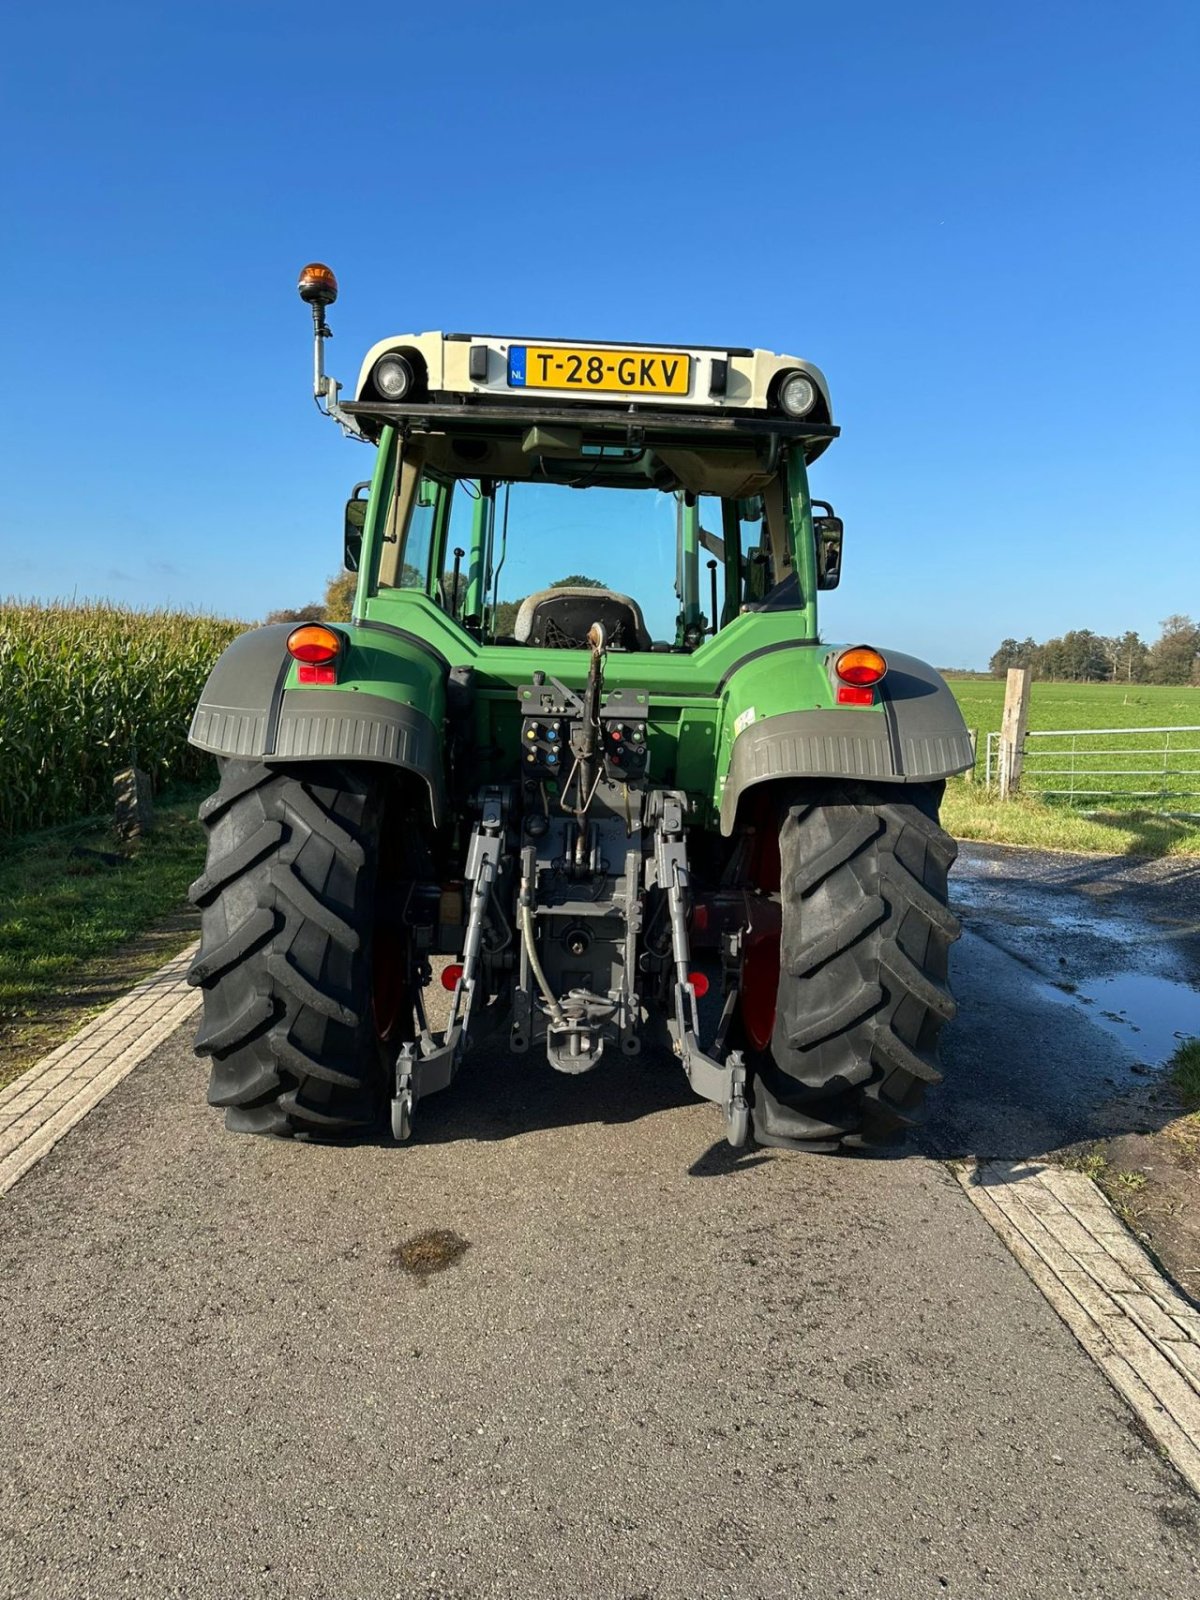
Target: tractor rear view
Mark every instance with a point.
(582, 738)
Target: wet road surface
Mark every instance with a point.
(639, 1364)
(1075, 979)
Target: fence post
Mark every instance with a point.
(973, 735)
(1012, 730)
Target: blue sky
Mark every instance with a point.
(980, 219)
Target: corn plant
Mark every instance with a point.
(87, 688)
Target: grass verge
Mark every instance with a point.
(1185, 1072)
(1150, 1177)
(970, 811)
(83, 917)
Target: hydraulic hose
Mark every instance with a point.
(525, 913)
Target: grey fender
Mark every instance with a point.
(246, 712)
(918, 737)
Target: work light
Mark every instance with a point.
(797, 394)
(392, 377)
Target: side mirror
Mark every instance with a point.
(356, 517)
(828, 532)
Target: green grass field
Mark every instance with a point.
(1119, 823)
(1132, 765)
(1080, 705)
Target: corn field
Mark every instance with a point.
(86, 688)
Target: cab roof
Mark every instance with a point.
(496, 385)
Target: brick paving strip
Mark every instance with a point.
(1140, 1331)
(46, 1102)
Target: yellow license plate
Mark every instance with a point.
(538, 366)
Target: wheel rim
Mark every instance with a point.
(760, 985)
(760, 954)
(390, 998)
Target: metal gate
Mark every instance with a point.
(1114, 765)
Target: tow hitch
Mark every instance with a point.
(722, 1083)
(426, 1064)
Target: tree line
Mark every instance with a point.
(1082, 656)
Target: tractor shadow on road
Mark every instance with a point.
(499, 1095)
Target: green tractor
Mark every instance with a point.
(582, 737)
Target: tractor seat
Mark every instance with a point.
(560, 619)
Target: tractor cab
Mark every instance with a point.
(665, 548)
(693, 458)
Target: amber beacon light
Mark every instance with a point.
(317, 285)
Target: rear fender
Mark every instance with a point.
(915, 735)
(388, 706)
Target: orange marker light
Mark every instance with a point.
(860, 665)
(317, 285)
(315, 643)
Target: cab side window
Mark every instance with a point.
(418, 541)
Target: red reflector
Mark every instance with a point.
(451, 975)
(311, 674)
(700, 918)
(699, 983)
(848, 695)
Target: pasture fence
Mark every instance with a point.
(1089, 766)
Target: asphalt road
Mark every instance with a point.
(657, 1369)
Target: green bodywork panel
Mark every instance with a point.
(751, 670)
(395, 669)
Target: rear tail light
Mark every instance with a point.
(314, 643)
(315, 650)
(858, 671)
(861, 666)
(451, 975)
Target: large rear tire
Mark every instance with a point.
(862, 994)
(287, 923)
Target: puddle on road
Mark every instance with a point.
(1147, 1014)
(430, 1252)
(1126, 973)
